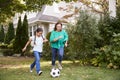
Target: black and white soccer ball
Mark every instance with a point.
(55, 72)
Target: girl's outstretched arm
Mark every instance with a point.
(28, 42)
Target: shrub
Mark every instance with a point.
(21, 36)
(10, 34)
(82, 37)
(10, 46)
(109, 54)
(47, 49)
(8, 52)
(2, 34)
(3, 46)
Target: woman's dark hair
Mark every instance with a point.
(55, 28)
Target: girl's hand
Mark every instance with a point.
(45, 40)
(24, 49)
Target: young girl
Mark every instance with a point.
(58, 39)
(37, 49)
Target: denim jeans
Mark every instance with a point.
(36, 62)
(58, 52)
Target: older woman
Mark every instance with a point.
(58, 39)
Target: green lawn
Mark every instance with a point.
(17, 68)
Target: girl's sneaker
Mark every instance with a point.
(31, 70)
(39, 73)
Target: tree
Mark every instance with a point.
(8, 8)
(2, 34)
(10, 34)
(21, 36)
(24, 34)
(17, 43)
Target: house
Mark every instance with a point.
(48, 16)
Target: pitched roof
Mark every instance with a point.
(44, 18)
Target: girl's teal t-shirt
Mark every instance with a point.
(60, 42)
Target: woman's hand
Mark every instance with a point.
(66, 44)
(45, 40)
(59, 37)
(56, 39)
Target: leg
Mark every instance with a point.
(60, 54)
(37, 61)
(32, 65)
(54, 52)
(60, 57)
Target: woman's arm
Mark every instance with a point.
(53, 39)
(66, 38)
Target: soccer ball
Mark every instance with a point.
(55, 72)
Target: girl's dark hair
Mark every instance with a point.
(55, 28)
(37, 30)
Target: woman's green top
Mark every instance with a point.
(59, 43)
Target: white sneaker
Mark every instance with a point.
(60, 66)
(39, 73)
(31, 70)
(53, 67)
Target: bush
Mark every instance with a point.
(10, 34)
(10, 46)
(82, 37)
(47, 49)
(3, 46)
(109, 54)
(8, 52)
(2, 33)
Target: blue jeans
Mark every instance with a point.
(58, 52)
(36, 62)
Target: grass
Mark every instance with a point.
(17, 68)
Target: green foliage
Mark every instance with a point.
(108, 48)
(2, 34)
(107, 56)
(47, 48)
(10, 34)
(8, 52)
(105, 31)
(24, 34)
(3, 46)
(16, 45)
(21, 36)
(107, 26)
(36, 5)
(8, 8)
(82, 37)
(10, 46)
(109, 52)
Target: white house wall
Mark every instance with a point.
(112, 8)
